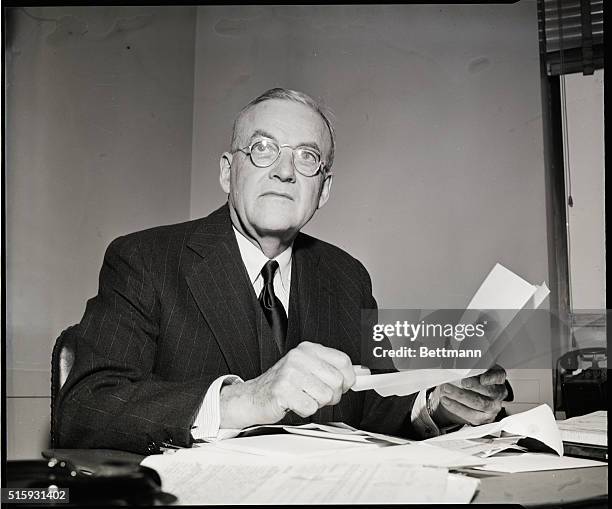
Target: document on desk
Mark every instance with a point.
(305, 448)
(310, 483)
(535, 462)
(538, 423)
(331, 431)
(288, 446)
(590, 429)
(484, 447)
(215, 474)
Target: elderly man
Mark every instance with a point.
(203, 328)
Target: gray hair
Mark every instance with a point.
(295, 96)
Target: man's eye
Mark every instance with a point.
(308, 156)
(263, 147)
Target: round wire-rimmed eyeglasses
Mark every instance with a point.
(265, 152)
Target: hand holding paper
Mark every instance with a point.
(308, 377)
(477, 401)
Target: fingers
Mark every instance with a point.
(287, 392)
(498, 391)
(300, 402)
(317, 389)
(480, 403)
(463, 414)
(310, 377)
(307, 378)
(330, 356)
(322, 381)
(493, 376)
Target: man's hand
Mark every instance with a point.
(307, 378)
(477, 401)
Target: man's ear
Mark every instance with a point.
(225, 165)
(325, 190)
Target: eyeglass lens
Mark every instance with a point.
(266, 152)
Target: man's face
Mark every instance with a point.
(276, 201)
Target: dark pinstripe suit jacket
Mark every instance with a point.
(175, 310)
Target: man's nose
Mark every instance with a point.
(284, 168)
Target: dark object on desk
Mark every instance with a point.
(594, 452)
(96, 461)
(583, 378)
(121, 485)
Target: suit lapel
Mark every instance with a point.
(220, 286)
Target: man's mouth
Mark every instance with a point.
(278, 194)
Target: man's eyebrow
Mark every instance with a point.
(261, 133)
(265, 134)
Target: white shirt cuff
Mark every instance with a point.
(207, 422)
(420, 418)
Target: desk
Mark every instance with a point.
(558, 487)
(586, 487)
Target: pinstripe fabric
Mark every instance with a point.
(175, 310)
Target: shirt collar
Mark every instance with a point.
(254, 259)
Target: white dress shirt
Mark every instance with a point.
(207, 422)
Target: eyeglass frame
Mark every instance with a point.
(322, 164)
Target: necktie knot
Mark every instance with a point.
(268, 271)
(272, 306)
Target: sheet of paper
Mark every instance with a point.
(502, 289)
(481, 447)
(354, 484)
(402, 383)
(503, 294)
(292, 448)
(214, 474)
(534, 462)
(289, 445)
(586, 429)
(538, 297)
(538, 423)
(415, 453)
(333, 431)
(460, 489)
(314, 483)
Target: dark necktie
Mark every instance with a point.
(272, 307)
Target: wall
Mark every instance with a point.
(439, 170)
(439, 167)
(98, 135)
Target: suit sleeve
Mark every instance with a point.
(392, 414)
(112, 397)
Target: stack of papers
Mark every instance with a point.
(589, 429)
(537, 423)
(338, 464)
(333, 430)
(294, 469)
(204, 483)
(534, 462)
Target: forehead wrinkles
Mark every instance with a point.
(289, 122)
